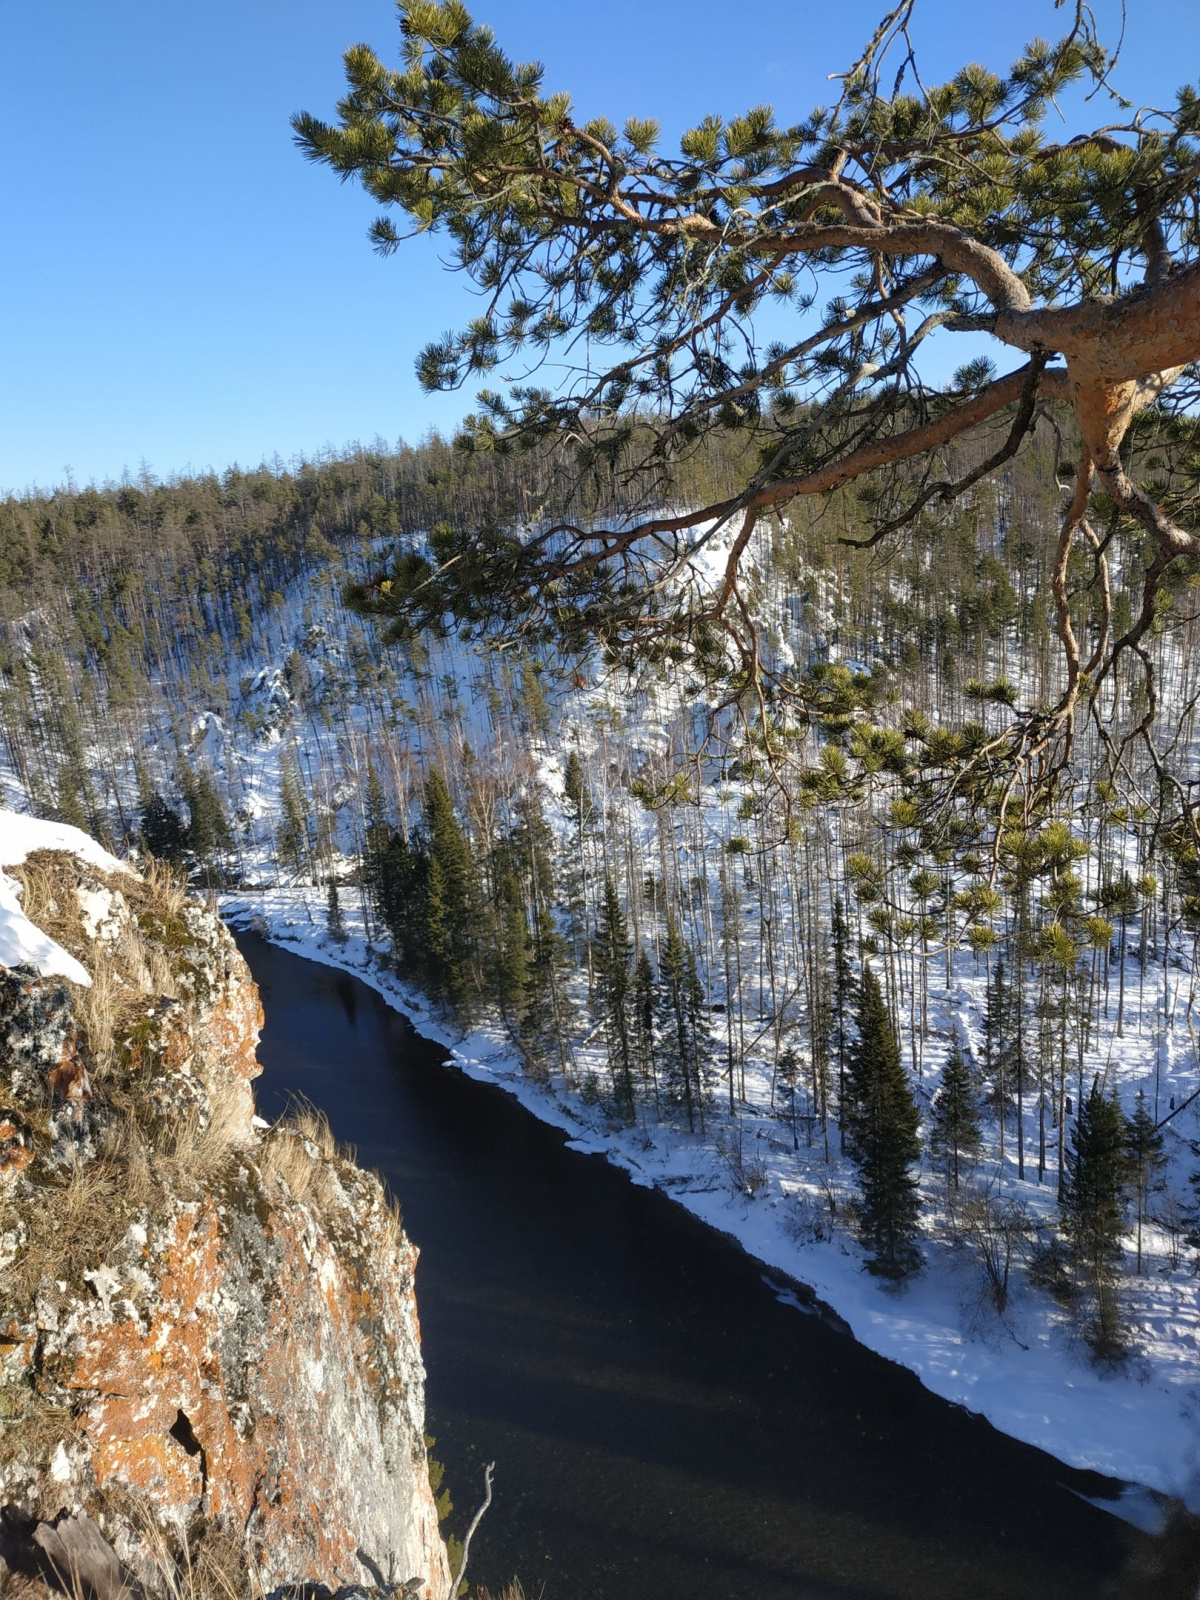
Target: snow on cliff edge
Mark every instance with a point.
(21, 944)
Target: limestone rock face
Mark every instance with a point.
(208, 1334)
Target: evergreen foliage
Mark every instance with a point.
(883, 1136)
(685, 1050)
(291, 829)
(162, 831)
(645, 1005)
(613, 958)
(1093, 1215)
(334, 924)
(1145, 1159)
(378, 880)
(208, 834)
(954, 1135)
(951, 208)
(843, 1002)
(451, 911)
(575, 790)
(544, 1023)
(511, 950)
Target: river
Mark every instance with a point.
(663, 1427)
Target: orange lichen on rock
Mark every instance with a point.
(16, 1145)
(225, 1338)
(270, 1379)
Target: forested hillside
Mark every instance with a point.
(901, 1025)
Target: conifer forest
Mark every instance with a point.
(859, 909)
(939, 1046)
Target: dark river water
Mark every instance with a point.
(663, 1428)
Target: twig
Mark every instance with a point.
(475, 1521)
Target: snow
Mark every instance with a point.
(21, 944)
(21, 835)
(1029, 1373)
(1025, 1375)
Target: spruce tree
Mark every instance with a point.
(543, 1025)
(291, 830)
(575, 791)
(396, 891)
(377, 835)
(162, 831)
(954, 1138)
(1093, 1215)
(442, 969)
(843, 1000)
(452, 900)
(998, 1046)
(510, 950)
(334, 924)
(788, 1070)
(645, 1000)
(208, 834)
(685, 1047)
(883, 1138)
(700, 1054)
(1145, 1159)
(613, 959)
(71, 807)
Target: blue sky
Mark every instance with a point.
(181, 290)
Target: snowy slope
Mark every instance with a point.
(318, 696)
(1026, 1375)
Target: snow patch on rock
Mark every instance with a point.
(21, 944)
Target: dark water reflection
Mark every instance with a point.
(663, 1428)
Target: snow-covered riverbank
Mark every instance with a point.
(1025, 1374)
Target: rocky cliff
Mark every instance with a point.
(208, 1332)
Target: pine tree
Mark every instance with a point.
(1145, 1159)
(162, 831)
(954, 1137)
(883, 1137)
(613, 957)
(334, 924)
(1093, 1215)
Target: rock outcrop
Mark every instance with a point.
(208, 1331)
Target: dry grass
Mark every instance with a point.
(162, 889)
(298, 1151)
(218, 1565)
(124, 971)
(77, 1223)
(30, 1426)
(188, 1150)
(47, 879)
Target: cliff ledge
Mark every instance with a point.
(208, 1331)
